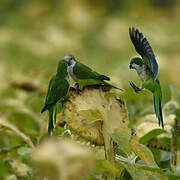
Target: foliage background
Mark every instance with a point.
(34, 35)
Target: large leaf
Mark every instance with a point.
(104, 166)
(157, 155)
(135, 173)
(122, 138)
(163, 143)
(150, 135)
(166, 175)
(138, 173)
(142, 151)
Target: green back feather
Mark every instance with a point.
(57, 90)
(62, 69)
(82, 71)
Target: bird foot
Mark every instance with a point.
(136, 89)
(72, 89)
(76, 87)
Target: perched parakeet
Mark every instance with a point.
(84, 75)
(147, 69)
(57, 91)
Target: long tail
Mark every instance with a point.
(107, 84)
(52, 118)
(157, 105)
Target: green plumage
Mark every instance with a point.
(57, 91)
(81, 71)
(87, 76)
(155, 88)
(84, 75)
(147, 69)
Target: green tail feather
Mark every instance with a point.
(52, 119)
(85, 82)
(157, 107)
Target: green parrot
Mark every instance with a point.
(57, 91)
(84, 75)
(147, 70)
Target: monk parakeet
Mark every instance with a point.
(147, 69)
(57, 91)
(84, 75)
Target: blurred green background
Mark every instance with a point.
(34, 35)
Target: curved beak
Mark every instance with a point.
(68, 61)
(130, 66)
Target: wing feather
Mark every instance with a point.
(84, 72)
(58, 89)
(143, 47)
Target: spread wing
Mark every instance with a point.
(143, 47)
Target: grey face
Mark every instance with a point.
(131, 65)
(136, 63)
(69, 59)
(135, 66)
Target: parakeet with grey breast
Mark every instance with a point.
(84, 75)
(147, 70)
(57, 91)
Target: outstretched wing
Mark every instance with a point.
(143, 47)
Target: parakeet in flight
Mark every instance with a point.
(147, 70)
(57, 90)
(84, 75)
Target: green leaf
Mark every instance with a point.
(142, 151)
(166, 175)
(135, 173)
(157, 155)
(122, 138)
(150, 135)
(140, 173)
(163, 143)
(102, 166)
(153, 169)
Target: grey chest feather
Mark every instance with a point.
(143, 73)
(70, 71)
